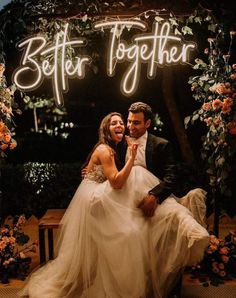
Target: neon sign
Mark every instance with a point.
(59, 70)
(157, 48)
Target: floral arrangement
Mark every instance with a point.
(6, 101)
(219, 262)
(13, 260)
(215, 90)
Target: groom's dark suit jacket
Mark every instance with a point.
(161, 162)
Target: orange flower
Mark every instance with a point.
(226, 109)
(229, 101)
(13, 145)
(212, 248)
(217, 103)
(222, 89)
(7, 138)
(3, 146)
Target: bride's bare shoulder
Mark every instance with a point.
(104, 149)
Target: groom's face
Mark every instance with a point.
(137, 125)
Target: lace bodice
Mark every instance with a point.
(96, 174)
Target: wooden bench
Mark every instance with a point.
(49, 221)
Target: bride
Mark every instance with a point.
(106, 247)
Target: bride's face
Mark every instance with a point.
(117, 128)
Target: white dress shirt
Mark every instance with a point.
(140, 159)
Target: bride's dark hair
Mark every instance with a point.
(104, 137)
(104, 130)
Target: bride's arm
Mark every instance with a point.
(115, 177)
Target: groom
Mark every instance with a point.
(154, 153)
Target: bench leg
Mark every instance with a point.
(50, 244)
(42, 254)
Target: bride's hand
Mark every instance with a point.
(132, 147)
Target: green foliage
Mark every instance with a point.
(215, 90)
(6, 105)
(40, 186)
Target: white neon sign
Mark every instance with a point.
(157, 48)
(59, 70)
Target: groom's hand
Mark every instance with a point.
(148, 205)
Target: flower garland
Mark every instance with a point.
(215, 90)
(6, 102)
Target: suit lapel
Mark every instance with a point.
(149, 152)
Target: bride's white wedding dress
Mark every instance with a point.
(108, 249)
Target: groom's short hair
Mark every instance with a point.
(141, 107)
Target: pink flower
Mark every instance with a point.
(233, 76)
(216, 270)
(7, 138)
(225, 258)
(21, 220)
(224, 250)
(208, 121)
(206, 106)
(222, 273)
(232, 127)
(217, 121)
(221, 266)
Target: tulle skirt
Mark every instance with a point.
(107, 248)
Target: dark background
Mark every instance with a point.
(87, 102)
